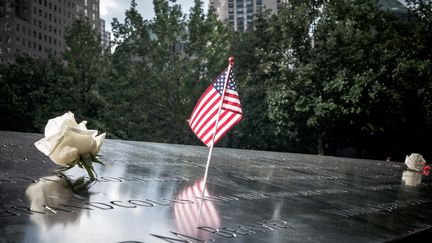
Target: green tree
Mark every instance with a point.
(85, 69)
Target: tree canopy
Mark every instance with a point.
(320, 77)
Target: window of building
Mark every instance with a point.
(250, 9)
(25, 12)
(17, 11)
(17, 27)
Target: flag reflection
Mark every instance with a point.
(190, 216)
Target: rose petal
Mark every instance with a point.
(48, 145)
(415, 162)
(83, 140)
(99, 141)
(60, 123)
(65, 155)
(82, 125)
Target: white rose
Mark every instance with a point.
(415, 162)
(66, 140)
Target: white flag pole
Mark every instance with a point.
(230, 66)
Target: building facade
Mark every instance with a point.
(105, 35)
(240, 13)
(37, 27)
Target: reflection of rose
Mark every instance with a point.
(66, 140)
(415, 162)
(411, 178)
(54, 192)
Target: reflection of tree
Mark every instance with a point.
(55, 195)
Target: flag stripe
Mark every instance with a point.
(227, 126)
(207, 103)
(201, 102)
(236, 104)
(232, 108)
(209, 135)
(208, 126)
(209, 100)
(231, 99)
(231, 92)
(211, 113)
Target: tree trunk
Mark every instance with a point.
(320, 148)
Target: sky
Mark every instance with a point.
(110, 9)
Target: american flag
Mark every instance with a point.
(205, 113)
